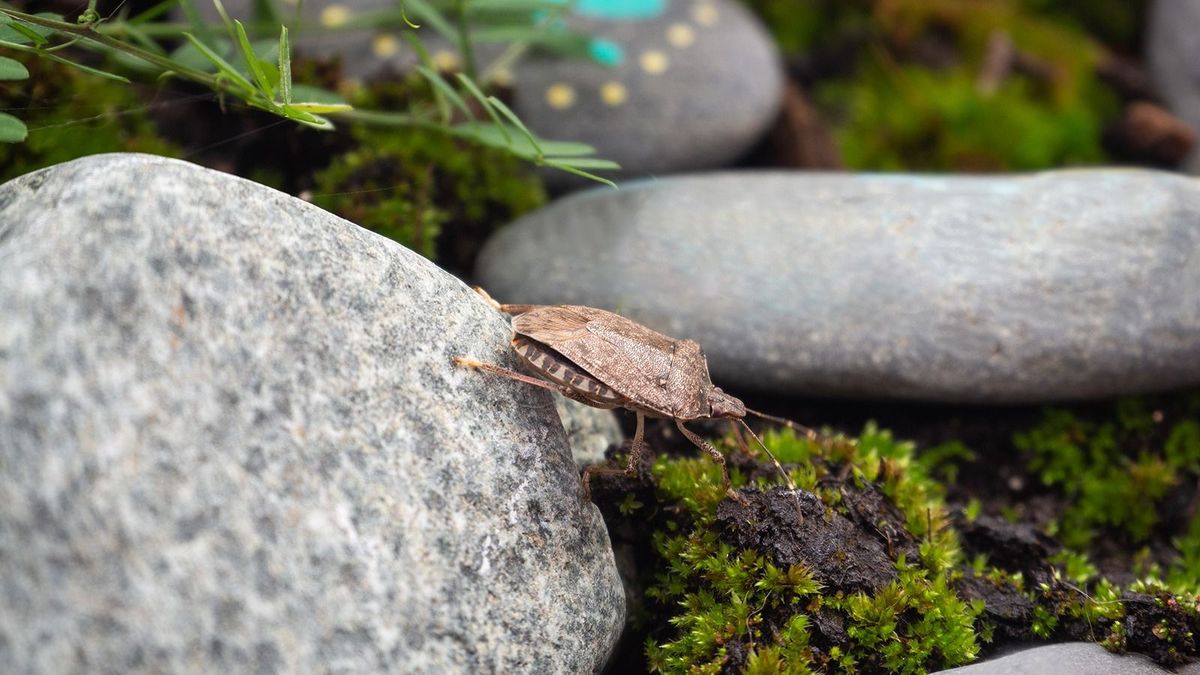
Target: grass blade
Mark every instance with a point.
(285, 66)
(222, 65)
(474, 90)
(512, 117)
(252, 60)
(443, 87)
(578, 172)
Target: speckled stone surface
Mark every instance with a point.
(1043, 287)
(589, 430)
(676, 85)
(1069, 658)
(232, 440)
(1173, 57)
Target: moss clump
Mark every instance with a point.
(908, 115)
(758, 609)
(1114, 473)
(419, 186)
(71, 114)
(803, 26)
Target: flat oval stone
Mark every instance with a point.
(232, 440)
(1043, 287)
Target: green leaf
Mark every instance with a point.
(23, 33)
(305, 118)
(443, 87)
(87, 69)
(583, 174)
(516, 121)
(11, 69)
(254, 63)
(483, 101)
(12, 130)
(222, 65)
(318, 108)
(585, 162)
(285, 66)
(5, 19)
(566, 148)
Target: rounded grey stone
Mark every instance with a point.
(590, 431)
(719, 87)
(1173, 57)
(1059, 285)
(232, 439)
(1068, 658)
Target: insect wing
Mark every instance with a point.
(633, 360)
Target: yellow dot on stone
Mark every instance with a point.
(503, 77)
(334, 15)
(560, 96)
(445, 60)
(384, 46)
(705, 13)
(613, 93)
(654, 62)
(680, 35)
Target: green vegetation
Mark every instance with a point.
(409, 186)
(251, 63)
(725, 605)
(932, 88)
(1115, 475)
(729, 596)
(72, 115)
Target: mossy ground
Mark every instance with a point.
(885, 563)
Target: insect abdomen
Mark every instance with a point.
(557, 369)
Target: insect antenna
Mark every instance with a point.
(787, 479)
(811, 433)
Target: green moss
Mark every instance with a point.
(727, 596)
(411, 185)
(802, 26)
(1116, 23)
(71, 114)
(893, 114)
(1115, 473)
(908, 117)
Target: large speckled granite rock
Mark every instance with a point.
(232, 440)
(1059, 285)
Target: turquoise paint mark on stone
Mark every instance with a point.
(621, 10)
(606, 52)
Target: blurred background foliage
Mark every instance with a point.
(960, 85)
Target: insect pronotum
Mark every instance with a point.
(606, 361)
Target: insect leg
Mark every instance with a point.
(511, 374)
(505, 309)
(717, 457)
(635, 458)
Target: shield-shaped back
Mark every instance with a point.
(656, 372)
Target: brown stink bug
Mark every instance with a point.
(607, 361)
